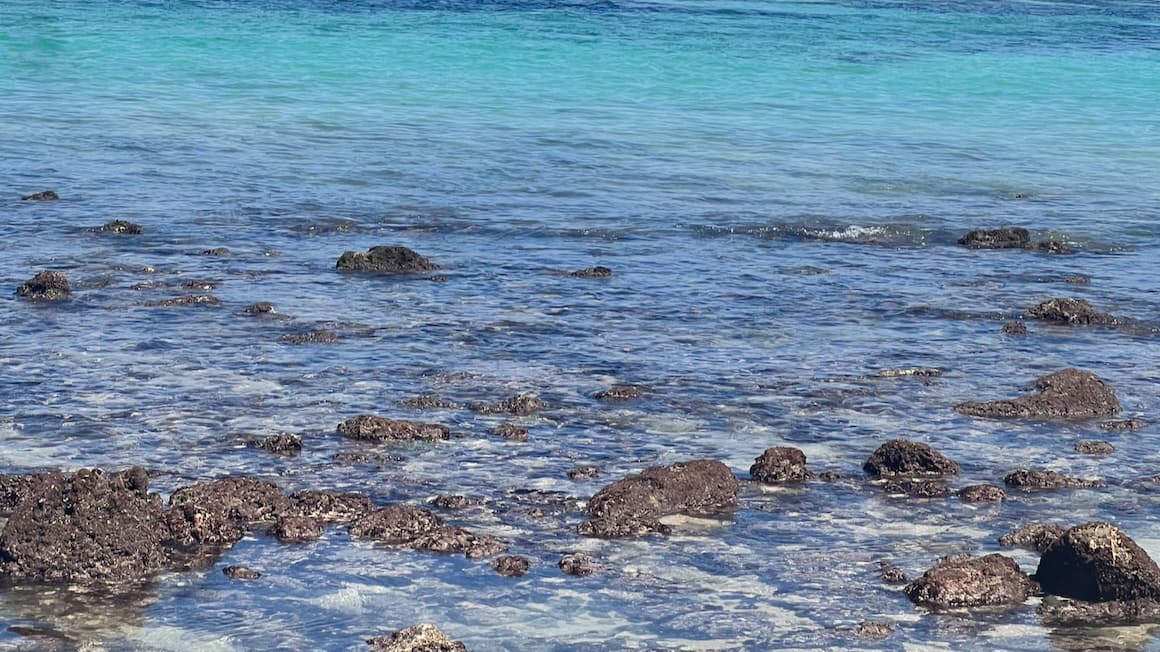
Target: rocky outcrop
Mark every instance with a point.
(1032, 479)
(296, 529)
(1035, 536)
(510, 432)
(1006, 238)
(874, 629)
(900, 457)
(218, 513)
(1093, 447)
(1076, 312)
(122, 227)
(43, 195)
(368, 427)
(512, 565)
(1066, 394)
(455, 501)
(1097, 562)
(1073, 613)
(329, 506)
(429, 402)
(620, 393)
(634, 505)
(891, 574)
(385, 260)
(451, 539)
(981, 493)
(592, 272)
(216, 251)
(780, 464)
(521, 404)
(395, 524)
(966, 581)
(282, 444)
(418, 638)
(578, 565)
(45, 286)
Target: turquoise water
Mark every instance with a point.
(778, 187)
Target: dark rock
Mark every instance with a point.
(512, 565)
(439, 278)
(1123, 424)
(1031, 479)
(1070, 311)
(578, 565)
(43, 195)
(187, 300)
(592, 272)
(447, 501)
(385, 260)
(395, 524)
(620, 393)
(450, 539)
(419, 638)
(521, 404)
(14, 489)
(1066, 394)
(429, 402)
(1014, 328)
(240, 573)
(311, 337)
(204, 286)
(583, 472)
(1052, 247)
(981, 493)
(829, 476)
(218, 513)
(891, 574)
(1073, 613)
(283, 444)
(874, 629)
(45, 286)
(900, 457)
(1008, 238)
(780, 464)
(85, 527)
(329, 506)
(1077, 279)
(122, 227)
(510, 431)
(216, 251)
(296, 529)
(260, 308)
(1097, 562)
(916, 488)
(1036, 536)
(634, 505)
(372, 428)
(357, 458)
(926, 372)
(965, 581)
(1092, 447)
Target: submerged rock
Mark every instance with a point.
(1014, 328)
(45, 286)
(592, 272)
(1052, 247)
(260, 308)
(1006, 238)
(43, 195)
(780, 464)
(578, 565)
(900, 457)
(450, 539)
(311, 337)
(240, 573)
(1031, 479)
(981, 493)
(187, 300)
(296, 529)
(1066, 394)
(634, 505)
(1070, 311)
(1036, 536)
(1092, 447)
(511, 431)
(891, 574)
(1097, 562)
(385, 260)
(966, 581)
(1123, 424)
(373, 428)
(418, 638)
(1078, 279)
(454, 501)
(916, 488)
(907, 372)
(521, 404)
(218, 513)
(874, 629)
(583, 472)
(1074, 613)
(123, 227)
(282, 444)
(512, 565)
(429, 402)
(620, 393)
(216, 251)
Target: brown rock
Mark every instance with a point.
(45, 286)
(1077, 279)
(621, 393)
(282, 444)
(512, 565)
(1092, 447)
(916, 488)
(419, 638)
(373, 428)
(1036, 536)
(965, 581)
(329, 506)
(981, 493)
(395, 524)
(296, 529)
(218, 513)
(451, 539)
(891, 574)
(429, 402)
(187, 300)
(780, 464)
(874, 629)
(1097, 562)
(445, 501)
(521, 404)
(1052, 247)
(1014, 328)
(1073, 613)
(1066, 394)
(900, 457)
(240, 573)
(1070, 311)
(385, 260)
(1029, 480)
(1007, 238)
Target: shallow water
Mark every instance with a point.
(778, 187)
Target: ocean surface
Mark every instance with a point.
(778, 188)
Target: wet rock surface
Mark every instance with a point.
(1005, 238)
(1032, 479)
(592, 272)
(260, 308)
(1070, 311)
(511, 432)
(430, 402)
(916, 488)
(418, 638)
(329, 506)
(45, 286)
(454, 501)
(1073, 613)
(900, 457)
(874, 629)
(780, 464)
(966, 581)
(583, 472)
(1066, 394)
(282, 444)
(296, 529)
(311, 337)
(1034, 536)
(374, 428)
(891, 574)
(219, 513)
(1093, 447)
(216, 251)
(910, 372)
(385, 260)
(634, 505)
(521, 404)
(1098, 562)
(578, 565)
(620, 393)
(241, 573)
(43, 195)
(511, 565)
(122, 227)
(187, 300)
(453, 539)
(1122, 425)
(1014, 328)
(981, 493)
(395, 524)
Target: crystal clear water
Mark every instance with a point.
(778, 187)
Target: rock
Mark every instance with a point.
(429, 402)
(1097, 562)
(187, 300)
(1014, 328)
(43, 195)
(216, 251)
(916, 488)
(780, 464)
(372, 428)
(204, 286)
(925, 372)
(620, 393)
(1066, 394)
(385, 260)
(45, 286)
(874, 629)
(1031, 479)
(296, 529)
(1123, 424)
(439, 278)
(1070, 311)
(1072, 613)
(122, 227)
(329, 506)
(85, 527)
(1092, 447)
(981, 493)
(355, 458)
(282, 444)
(218, 513)
(900, 457)
(891, 574)
(1036, 536)
(965, 581)
(512, 565)
(14, 489)
(592, 272)
(521, 404)
(450, 539)
(578, 565)
(419, 638)
(311, 337)
(446, 501)
(583, 473)
(634, 505)
(1007, 238)
(395, 524)
(511, 432)
(240, 573)
(260, 308)
(1078, 279)
(1052, 247)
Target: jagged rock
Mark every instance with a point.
(512, 565)
(218, 513)
(311, 337)
(965, 581)
(14, 489)
(780, 464)
(123, 227)
(43, 195)
(981, 493)
(1066, 394)
(621, 393)
(925, 372)
(429, 402)
(1091, 447)
(1123, 424)
(329, 506)
(583, 473)
(916, 488)
(450, 538)
(1007, 238)
(1052, 247)
(1070, 311)
(1036, 536)
(419, 638)
(446, 501)
(374, 428)
(395, 524)
(1014, 328)
(260, 308)
(521, 404)
(510, 431)
(216, 251)
(385, 260)
(874, 629)
(900, 457)
(282, 444)
(296, 529)
(1073, 613)
(1097, 562)
(891, 574)
(45, 286)
(1028, 480)
(240, 573)
(592, 272)
(578, 565)
(187, 300)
